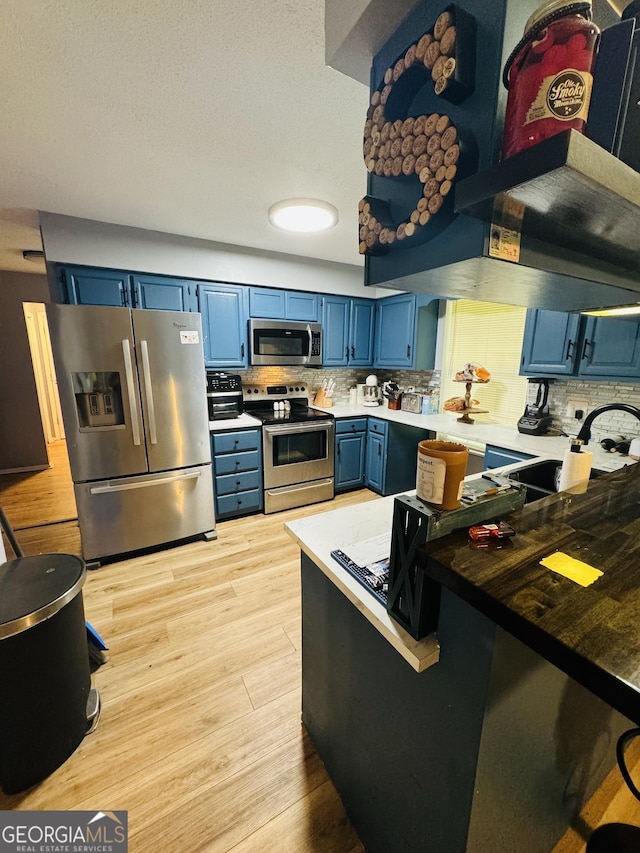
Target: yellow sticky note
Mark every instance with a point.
(569, 567)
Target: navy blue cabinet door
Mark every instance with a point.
(361, 329)
(395, 327)
(224, 310)
(350, 451)
(610, 347)
(550, 343)
(376, 461)
(87, 286)
(335, 331)
(164, 293)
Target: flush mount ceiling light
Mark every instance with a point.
(303, 215)
(622, 311)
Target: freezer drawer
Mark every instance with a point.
(127, 514)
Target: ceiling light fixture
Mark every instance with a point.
(303, 215)
(622, 311)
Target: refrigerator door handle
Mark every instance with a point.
(131, 390)
(191, 474)
(146, 372)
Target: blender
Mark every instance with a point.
(536, 419)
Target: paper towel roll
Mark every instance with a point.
(576, 468)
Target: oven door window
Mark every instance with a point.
(294, 448)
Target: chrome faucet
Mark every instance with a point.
(585, 430)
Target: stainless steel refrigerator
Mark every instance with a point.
(132, 386)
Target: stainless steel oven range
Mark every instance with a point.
(297, 444)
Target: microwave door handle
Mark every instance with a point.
(131, 390)
(151, 411)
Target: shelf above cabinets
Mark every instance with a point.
(568, 192)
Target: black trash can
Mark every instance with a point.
(44, 667)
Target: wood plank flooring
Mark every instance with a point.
(200, 736)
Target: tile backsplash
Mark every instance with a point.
(611, 424)
(345, 378)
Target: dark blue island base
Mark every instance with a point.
(490, 750)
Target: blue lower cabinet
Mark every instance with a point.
(237, 472)
(496, 457)
(351, 442)
(392, 456)
(376, 461)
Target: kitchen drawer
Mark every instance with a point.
(230, 442)
(378, 426)
(232, 463)
(351, 425)
(239, 504)
(228, 484)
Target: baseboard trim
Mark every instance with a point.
(25, 470)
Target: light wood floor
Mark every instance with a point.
(200, 736)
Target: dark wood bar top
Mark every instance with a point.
(591, 633)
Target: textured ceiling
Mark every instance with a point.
(185, 117)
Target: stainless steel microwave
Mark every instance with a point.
(285, 342)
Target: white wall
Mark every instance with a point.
(67, 239)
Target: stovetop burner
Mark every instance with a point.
(280, 403)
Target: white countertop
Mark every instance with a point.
(243, 421)
(546, 446)
(318, 535)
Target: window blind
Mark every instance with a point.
(491, 335)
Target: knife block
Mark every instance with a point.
(322, 400)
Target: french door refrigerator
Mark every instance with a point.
(132, 387)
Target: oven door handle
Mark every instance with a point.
(272, 429)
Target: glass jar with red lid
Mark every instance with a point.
(549, 75)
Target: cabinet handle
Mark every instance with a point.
(346, 353)
(379, 450)
(337, 450)
(570, 345)
(353, 352)
(408, 351)
(242, 351)
(124, 297)
(587, 343)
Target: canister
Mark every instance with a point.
(549, 75)
(441, 469)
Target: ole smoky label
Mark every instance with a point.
(564, 96)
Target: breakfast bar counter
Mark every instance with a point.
(493, 733)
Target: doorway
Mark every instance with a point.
(44, 371)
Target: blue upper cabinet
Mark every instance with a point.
(89, 286)
(550, 343)
(406, 327)
(225, 310)
(361, 330)
(610, 347)
(301, 306)
(560, 344)
(163, 293)
(335, 330)
(271, 304)
(266, 303)
(347, 331)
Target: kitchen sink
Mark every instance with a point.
(539, 478)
